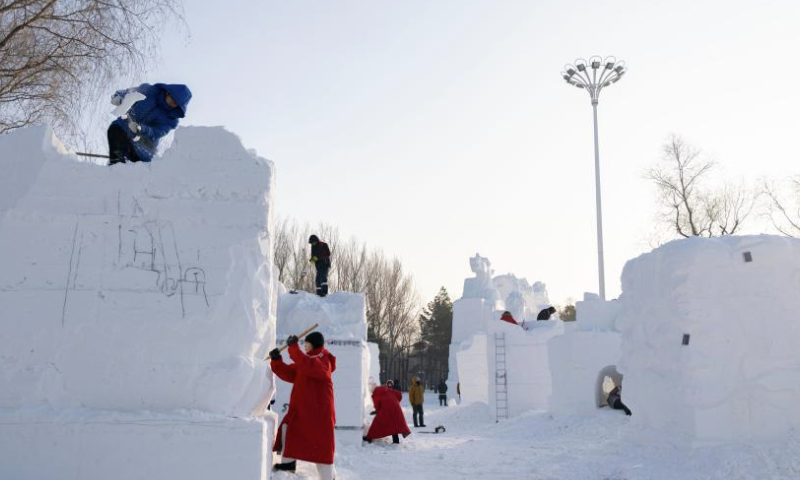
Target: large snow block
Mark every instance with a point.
(473, 370)
(710, 338)
(138, 286)
(77, 445)
(577, 358)
(342, 320)
(527, 364)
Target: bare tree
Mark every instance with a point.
(784, 214)
(690, 207)
(54, 54)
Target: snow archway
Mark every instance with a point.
(601, 389)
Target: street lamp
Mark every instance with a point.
(593, 76)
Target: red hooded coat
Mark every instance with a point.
(389, 418)
(311, 417)
(508, 318)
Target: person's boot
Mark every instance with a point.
(286, 467)
(395, 438)
(366, 439)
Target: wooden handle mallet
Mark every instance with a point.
(301, 335)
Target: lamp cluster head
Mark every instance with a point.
(594, 74)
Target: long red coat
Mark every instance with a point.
(311, 417)
(389, 418)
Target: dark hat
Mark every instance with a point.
(313, 239)
(315, 339)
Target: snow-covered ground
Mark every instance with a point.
(539, 446)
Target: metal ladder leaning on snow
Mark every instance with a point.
(500, 381)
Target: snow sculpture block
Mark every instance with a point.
(579, 356)
(138, 288)
(102, 445)
(342, 319)
(527, 364)
(473, 370)
(737, 374)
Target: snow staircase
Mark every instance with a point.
(500, 382)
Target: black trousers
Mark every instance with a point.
(322, 280)
(617, 404)
(442, 400)
(120, 148)
(418, 413)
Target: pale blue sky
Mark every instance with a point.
(437, 129)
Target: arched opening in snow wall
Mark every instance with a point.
(607, 379)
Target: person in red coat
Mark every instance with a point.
(307, 430)
(389, 418)
(507, 317)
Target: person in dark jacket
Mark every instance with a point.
(615, 400)
(546, 313)
(442, 394)
(134, 136)
(321, 258)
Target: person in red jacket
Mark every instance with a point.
(307, 429)
(389, 418)
(507, 317)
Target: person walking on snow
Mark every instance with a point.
(135, 137)
(442, 394)
(389, 419)
(416, 397)
(307, 429)
(321, 258)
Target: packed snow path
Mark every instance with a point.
(539, 446)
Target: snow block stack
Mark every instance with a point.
(710, 338)
(498, 363)
(137, 304)
(578, 358)
(342, 319)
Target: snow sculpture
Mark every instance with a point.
(520, 381)
(481, 286)
(137, 304)
(709, 338)
(578, 358)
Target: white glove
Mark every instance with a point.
(116, 100)
(135, 128)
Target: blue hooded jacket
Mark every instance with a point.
(153, 115)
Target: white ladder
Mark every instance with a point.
(501, 383)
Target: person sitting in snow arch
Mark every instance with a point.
(134, 136)
(389, 419)
(615, 400)
(307, 430)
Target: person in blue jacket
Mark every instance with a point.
(134, 137)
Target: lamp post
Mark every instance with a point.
(593, 76)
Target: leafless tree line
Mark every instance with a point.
(393, 305)
(690, 206)
(57, 55)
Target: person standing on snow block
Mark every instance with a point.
(546, 313)
(134, 137)
(507, 317)
(442, 394)
(321, 258)
(389, 419)
(307, 430)
(416, 397)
